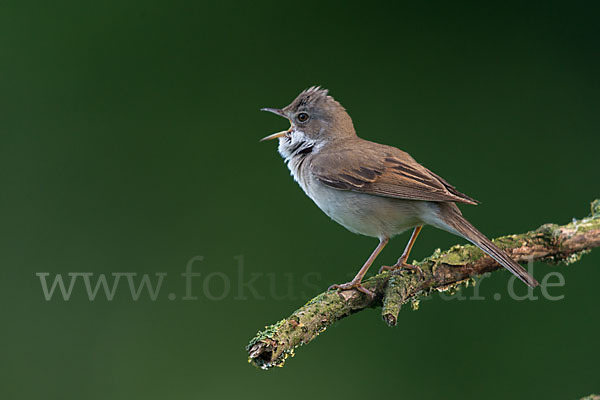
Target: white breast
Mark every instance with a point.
(365, 214)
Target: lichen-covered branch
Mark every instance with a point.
(441, 271)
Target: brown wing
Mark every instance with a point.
(384, 171)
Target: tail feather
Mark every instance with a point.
(452, 216)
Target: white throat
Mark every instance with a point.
(295, 147)
(295, 143)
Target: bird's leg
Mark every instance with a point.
(402, 261)
(355, 283)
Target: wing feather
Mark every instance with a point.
(383, 171)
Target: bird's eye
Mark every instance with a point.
(302, 117)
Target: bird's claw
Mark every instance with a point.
(352, 285)
(401, 265)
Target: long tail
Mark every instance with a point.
(452, 217)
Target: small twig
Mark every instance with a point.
(396, 293)
(441, 271)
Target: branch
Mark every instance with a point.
(441, 271)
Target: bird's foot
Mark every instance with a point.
(352, 285)
(402, 265)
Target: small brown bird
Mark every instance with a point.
(370, 188)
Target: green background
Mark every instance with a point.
(129, 143)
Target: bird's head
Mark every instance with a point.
(314, 115)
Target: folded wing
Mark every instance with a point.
(383, 171)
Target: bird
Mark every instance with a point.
(369, 188)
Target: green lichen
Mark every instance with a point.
(415, 303)
(549, 232)
(269, 332)
(573, 258)
(459, 255)
(591, 397)
(510, 241)
(452, 288)
(596, 207)
(269, 352)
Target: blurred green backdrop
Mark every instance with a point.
(129, 143)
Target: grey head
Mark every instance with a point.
(316, 116)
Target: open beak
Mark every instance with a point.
(274, 136)
(278, 134)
